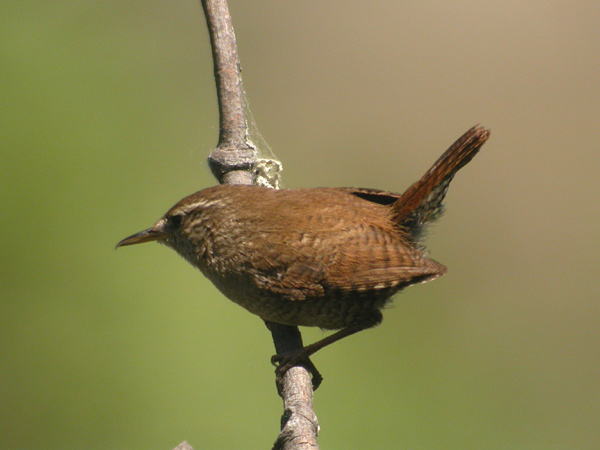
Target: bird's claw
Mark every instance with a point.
(285, 362)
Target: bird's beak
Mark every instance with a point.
(151, 234)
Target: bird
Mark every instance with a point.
(321, 257)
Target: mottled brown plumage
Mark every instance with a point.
(328, 257)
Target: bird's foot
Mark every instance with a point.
(286, 361)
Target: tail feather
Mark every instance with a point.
(422, 201)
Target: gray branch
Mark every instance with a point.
(235, 161)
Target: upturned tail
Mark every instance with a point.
(421, 203)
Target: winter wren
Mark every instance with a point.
(328, 258)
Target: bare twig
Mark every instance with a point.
(299, 426)
(234, 161)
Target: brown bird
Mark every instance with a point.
(328, 257)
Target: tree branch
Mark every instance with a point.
(234, 161)
(183, 446)
(299, 426)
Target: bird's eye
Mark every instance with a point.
(175, 221)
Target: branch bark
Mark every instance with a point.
(299, 425)
(234, 161)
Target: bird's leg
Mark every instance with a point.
(285, 361)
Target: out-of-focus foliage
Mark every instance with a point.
(107, 115)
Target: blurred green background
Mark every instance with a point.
(107, 115)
